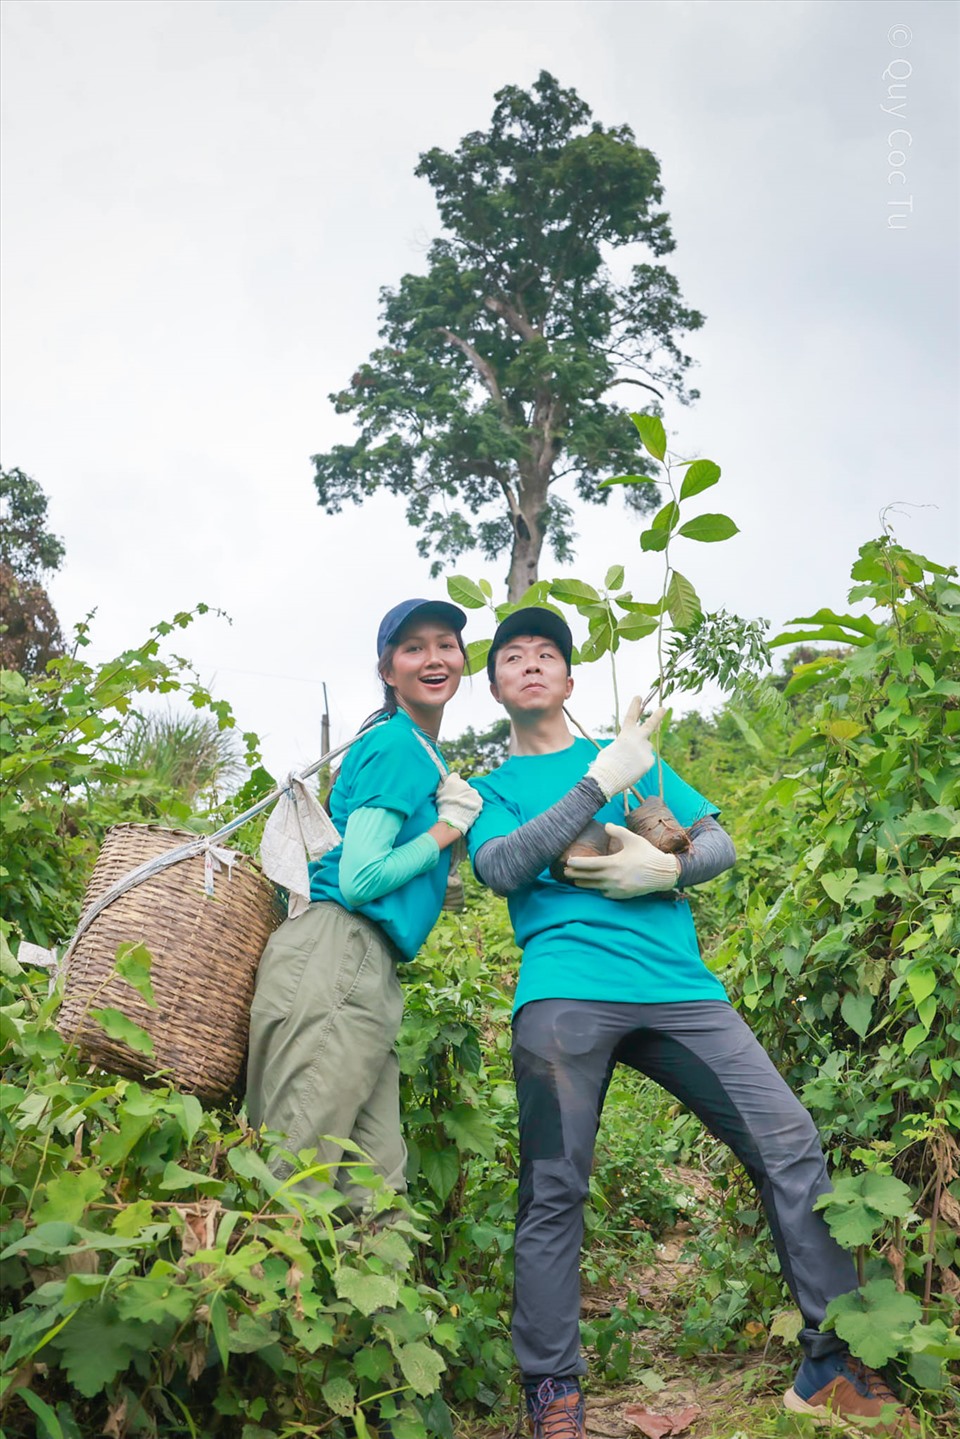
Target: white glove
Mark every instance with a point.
(621, 764)
(457, 804)
(634, 866)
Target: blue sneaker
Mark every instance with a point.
(842, 1391)
(555, 1409)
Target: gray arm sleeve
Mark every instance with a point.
(711, 852)
(514, 860)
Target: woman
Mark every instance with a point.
(328, 1002)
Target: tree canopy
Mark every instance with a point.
(29, 631)
(494, 378)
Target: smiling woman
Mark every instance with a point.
(329, 1003)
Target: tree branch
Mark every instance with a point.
(514, 319)
(626, 380)
(483, 368)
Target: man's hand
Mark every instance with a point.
(633, 867)
(457, 803)
(621, 764)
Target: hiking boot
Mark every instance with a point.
(555, 1409)
(842, 1391)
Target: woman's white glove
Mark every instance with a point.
(633, 867)
(457, 803)
(621, 764)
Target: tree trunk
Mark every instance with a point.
(527, 544)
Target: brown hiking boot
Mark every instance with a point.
(841, 1391)
(555, 1410)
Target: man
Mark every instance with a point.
(611, 972)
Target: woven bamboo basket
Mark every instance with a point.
(205, 953)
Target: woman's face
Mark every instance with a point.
(426, 666)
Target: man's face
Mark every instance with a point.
(531, 676)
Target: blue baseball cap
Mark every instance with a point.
(395, 619)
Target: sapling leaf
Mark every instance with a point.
(682, 601)
(667, 517)
(477, 651)
(614, 577)
(875, 1320)
(655, 539)
(464, 591)
(652, 434)
(700, 476)
(117, 1026)
(709, 528)
(624, 480)
(636, 627)
(573, 591)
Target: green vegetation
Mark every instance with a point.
(158, 1281)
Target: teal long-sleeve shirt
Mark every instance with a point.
(370, 866)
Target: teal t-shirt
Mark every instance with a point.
(390, 767)
(576, 943)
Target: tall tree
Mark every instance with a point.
(29, 628)
(494, 376)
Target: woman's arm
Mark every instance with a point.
(371, 867)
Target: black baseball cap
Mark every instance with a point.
(395, 619)
(533, 620)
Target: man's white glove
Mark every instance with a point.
(634, 866)
(621, 764)
(457, 804)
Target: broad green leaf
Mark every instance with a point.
(471, 1129)
(175, 1177)
(614, 577)
(133, 963)
(339, 1394)
(935, 1339)
(421, 1366)
(857, 1010)
(862, 624)
(635, 627)
(709, 528)
(830, 634)
(921, 983)
(79, 1288)
(367, 1292)
(667, 517)
(151, 1300)
(477, 651)
(250, 1334)
(787, 1326)
(572, 591)
(189, 1113)
(67, 1196)
(652, 434)
(465, 592)
(874, 1320)
(654, 539)
(441, 1169)
(52, 1428)
(593, 647)
(682, 601)
(838, 885)
(842, 730)
(96, 1346)
(373, 1361)
(117, 1026)
(700, 476)
(487, 588)
(624, 480)
(133, 1218)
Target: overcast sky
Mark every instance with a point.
(202, 198)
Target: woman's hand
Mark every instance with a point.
(457, 805)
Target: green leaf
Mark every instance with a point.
(52, 1427)
(573, 591)
(67, 1196)
(636, 627)
(654, 539)
(787, 1326)
(175, 1177)
(862, 624)
(465, 592)
(367, 1292)
(838, 885)
(624, 480)
(421, 1366)
(614, 577)
(874, 1320)
(133, 1218)
(700, 476)
(220, 1325)
(117, 1026)
(652, 434)
(477, 651)
(441, 1169)
(921, 983)
(471, 1129)
(857, 1010)
(709, 528)
(96, 1346)
(667, 517)
(682, 601)
(339, 1394)
(133, 963)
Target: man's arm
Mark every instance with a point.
(711, 852)
(512, 861)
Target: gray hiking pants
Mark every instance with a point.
(322, 1065)
(564, 1052)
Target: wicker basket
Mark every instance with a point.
(205, 953)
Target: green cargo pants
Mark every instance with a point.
(322, 1066)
